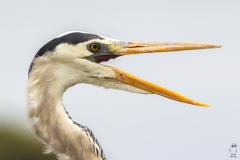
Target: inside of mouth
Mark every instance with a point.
(104, 58)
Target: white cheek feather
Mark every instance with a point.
(93, 73)
(66, 50)
(97, 70)
(115, 85)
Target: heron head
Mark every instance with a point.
(75, 57)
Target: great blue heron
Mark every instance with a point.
(74, 57)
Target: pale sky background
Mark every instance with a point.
(133, 126)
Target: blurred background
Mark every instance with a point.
(131, 126)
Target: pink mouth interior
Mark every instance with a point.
(104, 58)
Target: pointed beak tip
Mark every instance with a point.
(218, 46)
(197, 103)
(211, 46)
(208, 106)
(205, 105)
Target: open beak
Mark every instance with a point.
(133, 47)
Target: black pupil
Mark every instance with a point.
(95, 46)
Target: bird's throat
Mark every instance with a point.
(50, 122)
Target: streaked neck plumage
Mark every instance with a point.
(49, 119)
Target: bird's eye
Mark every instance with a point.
(94, 47)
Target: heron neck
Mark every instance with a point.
(46, 112)
(49, 120)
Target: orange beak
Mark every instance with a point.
(133, 47)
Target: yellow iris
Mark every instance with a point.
(94, 47)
